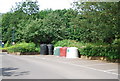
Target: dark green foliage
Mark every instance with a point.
(87, 49)
(98, 21)
(116, 42)
(86, 22)
(111, 52)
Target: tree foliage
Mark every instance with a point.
(87, 22)
(98, 20)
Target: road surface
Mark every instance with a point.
(53, 67)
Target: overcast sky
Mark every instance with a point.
(6, 5)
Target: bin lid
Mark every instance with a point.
(49, 44)
(58, 47)
(73, 48)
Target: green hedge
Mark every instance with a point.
(70, 43)
(88, 49)
(23, 47)
(110, 51)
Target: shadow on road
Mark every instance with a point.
(12, 72)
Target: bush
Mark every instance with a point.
(96, 49)
(111, 51)
(116, 42)
(7, 44)
(37, 49)
(23, 47)
(69, 43)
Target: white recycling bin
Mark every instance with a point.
(72, 52)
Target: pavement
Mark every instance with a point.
(55, 67)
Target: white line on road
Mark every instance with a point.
(112, 70)
(78, 66)
(85, 67)
(91, 68)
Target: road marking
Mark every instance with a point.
(77, 65)
(112, 70)
(87, 67)
(92, 68)
(83, 66)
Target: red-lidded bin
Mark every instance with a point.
(63, 51)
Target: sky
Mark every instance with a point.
(6, 5)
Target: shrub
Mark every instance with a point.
(88, 49)
(23, 47)
(7, 44)
(69, 43)
(37, 49)
(111, 51)
(116, 42)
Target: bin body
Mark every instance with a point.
(57, 51)
(72, 52)
(43, 49)
(2, 45)
(63, 51)
(50, 49)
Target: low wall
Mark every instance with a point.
(27, 53)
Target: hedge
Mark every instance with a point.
(88, 49)
(111, 51)
(23, 47)
(70, 43)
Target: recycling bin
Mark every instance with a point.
(63, 51)
(2, 44)
(72, 52)
(43, 49)
(50, 49)
(57, 51)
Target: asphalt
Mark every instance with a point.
(54, 67)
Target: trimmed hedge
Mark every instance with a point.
(111, 51)
(87, 49)
(23, 47)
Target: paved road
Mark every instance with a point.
(53, 67)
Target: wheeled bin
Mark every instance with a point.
(50, 49)
(57, 51)
(63, 51)
(72, 52)
(43, 49)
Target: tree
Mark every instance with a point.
(24, 11)
(99, 20)
(44, 30)
(29, 7)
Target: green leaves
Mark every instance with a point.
(86, 22)
(111, 52)
(23, 47)
(99, 18)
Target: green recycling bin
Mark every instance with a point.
(57, 51)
